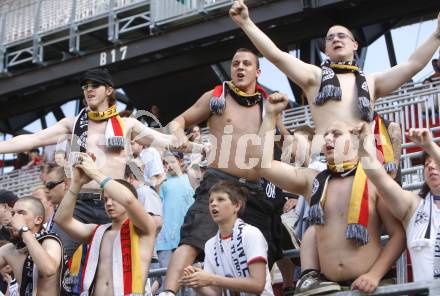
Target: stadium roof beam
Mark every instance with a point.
(183, 49)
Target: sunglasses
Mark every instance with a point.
(51, 185)
(340, 35)
(92, 85)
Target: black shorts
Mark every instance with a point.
(198, 225)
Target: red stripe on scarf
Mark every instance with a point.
(261, 90)
(126, 257)
(378, 139)
(363, 215)
(218, 90)
(117, 129)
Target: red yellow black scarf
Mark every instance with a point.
(357, 218)
(218, 101)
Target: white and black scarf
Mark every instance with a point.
(239, 266)
(330, 88)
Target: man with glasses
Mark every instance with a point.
(57, 185)
(97, 129)
(338, 89)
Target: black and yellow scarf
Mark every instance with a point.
(218, 101)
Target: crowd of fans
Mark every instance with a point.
(126, 196)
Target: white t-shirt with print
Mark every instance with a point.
(255, 248)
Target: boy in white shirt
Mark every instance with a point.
(236, 257)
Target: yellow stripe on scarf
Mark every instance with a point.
(135, 262)
(388, 153)
(344, 67)
(99, 116)
(239, 91)
(357, 192)
(76, 261)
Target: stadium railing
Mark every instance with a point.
(22, 181)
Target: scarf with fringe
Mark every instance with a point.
(330, 88)
(114, 131)
(357, 218)
(218, 99)
(126, 269)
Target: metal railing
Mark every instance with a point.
(22, 19)
(22, 181)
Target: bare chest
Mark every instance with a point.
(236, 119)
(339, 194)
(106, 251)
(335, 110)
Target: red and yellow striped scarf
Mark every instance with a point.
(357, 218)
(383, 144)
(127, 275)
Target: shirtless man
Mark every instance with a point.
(105, 273)
(233, 111)
(342, 254)
(33, 249)
(100, 98)
(340, 46)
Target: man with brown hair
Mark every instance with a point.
(97, 129)
(233, 111)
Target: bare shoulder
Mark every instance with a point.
(8, 250)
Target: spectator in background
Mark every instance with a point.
(194, 134)
(154, 172)
(7, 201)
(153, 122)
(60, 158)
(177, 196)
(147, 196)
(21, 160)
(40, 192)
(436, 74)
(8, 283)
(57, 185)
(35, 159)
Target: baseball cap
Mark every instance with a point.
(98, 75)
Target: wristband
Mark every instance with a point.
(105, 181)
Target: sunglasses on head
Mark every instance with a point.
(51, 185)
(92, 85)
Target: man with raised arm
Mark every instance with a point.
(119, 253)
(97, 129)
(345, 210)
(418, 213)
(36, 256)
(349, 94)
(233, 111)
